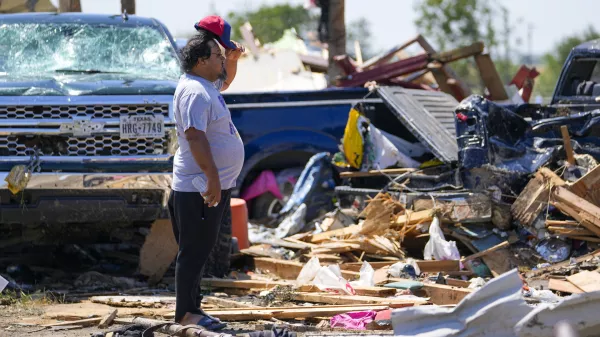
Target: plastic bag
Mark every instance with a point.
(292, 224)
(352, 142)
(403, 269)
(437, 247)
(329, 279)
(3, 283)
(309, 271)
(367, 276)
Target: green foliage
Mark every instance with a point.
(359, 29)
(554, 60)
(269, 22)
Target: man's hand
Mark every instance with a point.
(234, 54)
(212, 196)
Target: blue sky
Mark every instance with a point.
(391, 20)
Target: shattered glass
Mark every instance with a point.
(33, 50)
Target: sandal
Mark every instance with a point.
(211, 324)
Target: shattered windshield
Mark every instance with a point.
(36, 49)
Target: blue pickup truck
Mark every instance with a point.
(73, 87)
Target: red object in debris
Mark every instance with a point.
(384, 315)
(239, 222)
(386, 71)
(524, 79)
(461, 117)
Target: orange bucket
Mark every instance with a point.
(239, 222)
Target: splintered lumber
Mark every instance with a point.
(413, 218)
(491, 78)
(354, 299)
(578, 231)
(580, 209)
(587, 186)
(291, 312)
(457, 283)
(583, 238)
(425, 266)
(288, 270)
(504, 244)
(535, 196)
(563, 286)
(133, 301)
(226, 303)
(563, 264)
(174, 329)
(373, 173)
(587, 281)
(336, 233)
(241, 284)
(365, 291)
(107, 320)
(159, 251)
(570, 223)
(82, 322)
(499, 262)
(567, 144)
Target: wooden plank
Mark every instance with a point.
(159, 250)
(587, 281)
(291, 312)
(241, 284)
(226, 303)
(491, 78)
(133, 301)
(354, 299)
(502, 245)
(288, 270)
(337, 233)
(499, 262)
(578, 208)
(413, 218)
(582, 231)
(587, 186)
(563, 286)
(535, 196)
(365, 291)
(440, 294)
(561, 223)
(584, 238)
(107, 320)
(459, 53)
(81, 322)
(457, 283)
(374, 173)
(563, 264)
(564, 131)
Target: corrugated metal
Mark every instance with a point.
(429, 115)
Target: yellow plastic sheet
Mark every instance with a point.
(353, 142)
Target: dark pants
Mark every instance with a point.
(196, 228)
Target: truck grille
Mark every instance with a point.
(68, 111)
(101, 145)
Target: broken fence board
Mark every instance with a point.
(535, 196)
(133, 301)
(336, 233)
(226, 303)
(374, 173)
(241, 284)
(587, 281)
(291, 312)
(107, 320)
(502, 245)
(491, 78)
(159, 250)
(288, 270)
(354, 299)
(441, 294)
(365, 291)
(578, 208)
(82, 322)
(563, 286)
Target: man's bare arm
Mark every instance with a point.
(202, 154)
(231, 68)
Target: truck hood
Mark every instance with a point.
(85, 84)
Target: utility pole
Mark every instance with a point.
(128, 5)
(69, 6)
(337, 37)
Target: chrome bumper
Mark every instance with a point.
(113, 181)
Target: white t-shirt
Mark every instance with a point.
(198, 103)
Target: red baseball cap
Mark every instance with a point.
(216, 25)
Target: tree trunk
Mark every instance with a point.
(69, 6)
(337, 38)
(128, 5)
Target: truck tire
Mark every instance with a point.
(267, 205)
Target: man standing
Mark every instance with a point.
(210, 151)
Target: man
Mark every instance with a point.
(210, 149)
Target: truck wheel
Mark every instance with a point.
(267, 205)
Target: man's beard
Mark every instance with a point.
(223, 75)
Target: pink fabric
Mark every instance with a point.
(356, 320)
(265, 182)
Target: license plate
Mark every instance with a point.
(142, 126)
